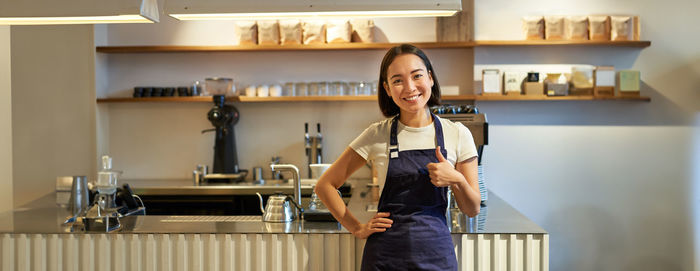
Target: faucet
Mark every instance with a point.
(295, 178)
(313, 146)
(274, 161)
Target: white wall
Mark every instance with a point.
(695, 190)
(610, 181)
(164, 140)
(53, 107)
(5, 121)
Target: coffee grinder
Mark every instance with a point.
(225, 168)
(103, 215)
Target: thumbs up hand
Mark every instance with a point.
(442, 173)
(439, 156)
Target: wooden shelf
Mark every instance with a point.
(359, 46)
(484, 43)
(557, 98)
(208, 99)
(193, 99)
(289, 47)
(308, 99)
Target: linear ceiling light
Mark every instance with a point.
(283, 9)
(46, 12)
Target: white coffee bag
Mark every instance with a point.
(533, 27)
(313, 31)
(554, 27)
(362, 30)
(599, 27)
(268, 32)
(246, 32)
(576, 27)
(290, 31)
(338, 31)
(621, 28)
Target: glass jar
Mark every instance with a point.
(322, 88)
(288, 89)
(341, 88)
(353, 89)
(313, 89)
(333, 88)
(373, 87)
(364, 88)
(301, 89)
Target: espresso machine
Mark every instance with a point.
(477, 124)
(225, 168)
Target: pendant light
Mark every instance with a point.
(281, 9)
(47, 12)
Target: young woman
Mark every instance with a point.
(418, 155)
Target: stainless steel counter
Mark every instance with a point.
(187, 187)
(43, 216)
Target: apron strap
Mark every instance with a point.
(394, 142)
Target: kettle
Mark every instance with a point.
(278, 208)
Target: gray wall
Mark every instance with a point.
(695, 190)
(53, 107)
(164, 140)
(5, 121)
(610, 181)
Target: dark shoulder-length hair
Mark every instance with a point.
(386, 104)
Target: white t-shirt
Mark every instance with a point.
(373, 143)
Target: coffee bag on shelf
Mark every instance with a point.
(513, 81)
(314, 31)
(290, 32)
(491, 82)
(362, 30)
(338, 31)
(246, 32)
(628, 83)
(533, 27)
(599, 27)
(268, 32)
(554, 27)
(622, 28)
(576, 27)
(604, 81)
(581, 80)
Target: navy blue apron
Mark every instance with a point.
(419, 238)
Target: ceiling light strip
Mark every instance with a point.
(74, 20)
(323, 14)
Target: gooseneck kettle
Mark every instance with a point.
(279, 208)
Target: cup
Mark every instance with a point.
(323, 88)
(250, 91)
(257, 175)
(79, 195)
(301, 89)
(275, 91)
(263, 91)
(288, 89)
(313, 89)
(197, 89)
(353, 88)
(335, 89)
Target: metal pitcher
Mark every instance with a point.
(278, 208)
(79, 194)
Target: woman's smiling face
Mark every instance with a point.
(409, 83)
